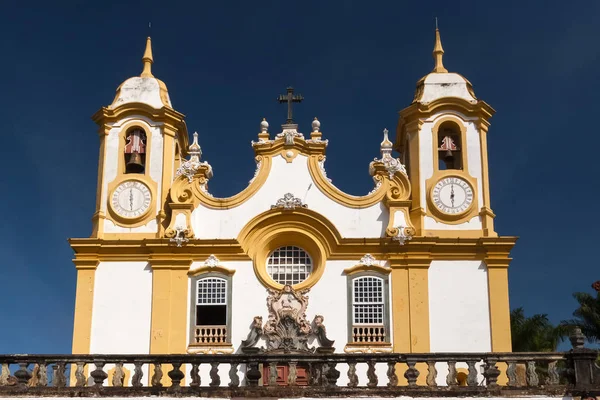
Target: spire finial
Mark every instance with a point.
(194, 149)
(148, 60)
(438, 51)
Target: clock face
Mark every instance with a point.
(131, 199)
(452, 195)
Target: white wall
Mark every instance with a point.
(121, 312)
(459, 319)
(292, 178)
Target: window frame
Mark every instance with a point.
(194, 303)
(385, 288)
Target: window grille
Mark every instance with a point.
(289, 265)
(368, 300)
(212, 291)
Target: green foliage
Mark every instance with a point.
(587, 315)
(534, 333)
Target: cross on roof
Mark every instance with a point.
(290, 98)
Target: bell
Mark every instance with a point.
(135, 165)
(449, 159)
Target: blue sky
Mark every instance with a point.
(356, 63)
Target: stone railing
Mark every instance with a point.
(573, 373)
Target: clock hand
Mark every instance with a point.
(131, 199)
(452, 194)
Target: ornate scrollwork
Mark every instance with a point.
(289, 202)
(401, 233)
(287, 328)
(178, 235)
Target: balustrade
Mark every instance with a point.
(243, 375)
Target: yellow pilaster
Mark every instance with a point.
(486, 214)
(499, 308)
(169, 308)
(410, 308)
(84, 299)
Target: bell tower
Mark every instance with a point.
(141, 143)
(442, 139)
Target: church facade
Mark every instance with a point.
(414, 266)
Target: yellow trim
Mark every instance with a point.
(275, 228)
(206, 269)
(451, 219)
(439, 248)
(335, 194)
(169, 308)
(487, 215)
(499, 309)
(400, 310)
(184, 192)
(141, 220)
(367, 268)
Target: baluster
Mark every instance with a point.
(59, 379)
(79, 376)
(412, 373)
(35, 376)
(511, 372)
(352, 377)
(176, 375)
(373, 380)
(553, 378)
(292, 375)
(253, 374)
(4, 375)
(98, 374)
(472, 376)
(272, 374)
(391, 374)
(451, 378)
(119, 375)
(214, 375)
(43, 375)
(234, 379)
(136, 380)
(195, 375)
(532, 376)
(332, 374)
(157, 375)
(22, 374)
(491, 373)
(431, 374)
(316, 375)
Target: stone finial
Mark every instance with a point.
(194, 150)
(386, 144)
(264, 126)
(316, 125)
(577, 338)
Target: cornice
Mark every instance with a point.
(494, 251)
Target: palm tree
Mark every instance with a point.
(587, 315)
(534, 333)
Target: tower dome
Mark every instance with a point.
(144, 88)
(441, 83)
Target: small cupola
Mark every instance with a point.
(441, 83)
(144, 88)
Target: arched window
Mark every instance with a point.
(135, 151)
(449, 146)
(212, 301)
(289, 265)
(369, 313)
